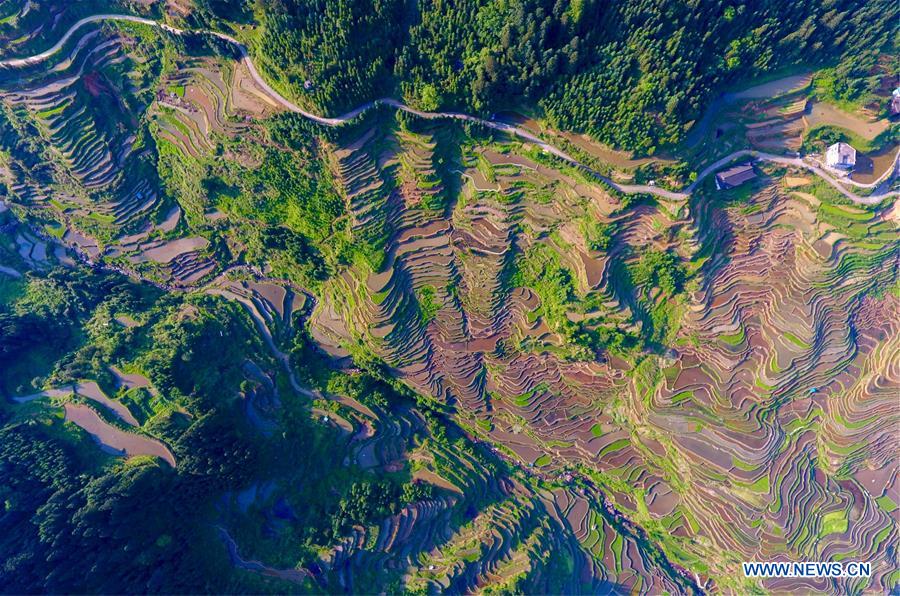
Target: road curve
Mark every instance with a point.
(876, 197)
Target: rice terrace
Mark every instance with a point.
(474, 297)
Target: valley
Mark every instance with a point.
(430, 350)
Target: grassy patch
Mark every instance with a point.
(823, 191)
(540, 269)
(738, 194)
(55, 229)
(428, 304)
(733, 339)
(840, 211)
(761, 486)
(102, 218)
(59, 206)
(826, 134)
(44, 114)
(614, 446)
(524, 400)
(379, 297)
(741, 465)
(834, 522)
(759, 383)
(886, 503)
(682, 396)
(796, 340)
(845, 212)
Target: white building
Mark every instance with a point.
(841, 155)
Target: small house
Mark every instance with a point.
(735, 176)
(841, 155)
(895, 102)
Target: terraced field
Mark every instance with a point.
(602, 391)
(727, 433)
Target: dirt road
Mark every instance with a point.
(880, 193)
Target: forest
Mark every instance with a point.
(245, 351)
(632, 74)
(126, 518)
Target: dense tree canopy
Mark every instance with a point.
(632, 74)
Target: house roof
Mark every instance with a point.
(841, 153)
(736, 175)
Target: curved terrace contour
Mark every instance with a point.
(875, 198)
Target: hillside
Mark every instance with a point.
(632, 74)
(259, 335)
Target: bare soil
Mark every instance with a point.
(111, 437)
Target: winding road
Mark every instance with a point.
(879, 194)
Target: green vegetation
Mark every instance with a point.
(819, 138)
(886, 503)
(834, 522)
(657, 279)
(428, 305)
(681, 396)
(734, 339)
(59, 490)
(286, 207)
(176, 89)
(62, 495)
(344, 49)
(796, 340)
(852, 83)
(540, 269)
(287, 191)
(447, 432)
(598, 236)
(838, 212)
(590, 67)
(659, 269)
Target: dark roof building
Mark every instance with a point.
(735, 176)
